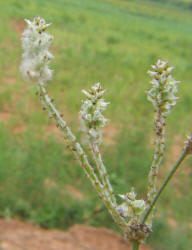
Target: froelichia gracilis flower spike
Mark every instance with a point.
(162, 95)
(91, 113)
(164, 87)
(36, 56)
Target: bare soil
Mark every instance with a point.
(18, 25)
(17, 235)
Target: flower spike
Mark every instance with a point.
(36, 57)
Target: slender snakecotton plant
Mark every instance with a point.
(134, 216)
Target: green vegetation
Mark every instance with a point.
(114, 42)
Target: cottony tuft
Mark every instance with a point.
(36, 56)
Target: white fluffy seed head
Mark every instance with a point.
(36, 56)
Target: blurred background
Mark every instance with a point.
(113, 42)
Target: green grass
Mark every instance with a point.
(113, 42)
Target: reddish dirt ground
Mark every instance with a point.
(17, 235)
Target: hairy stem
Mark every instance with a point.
(172, 172)
(103, 172)
(158, 155)
(135, 245)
